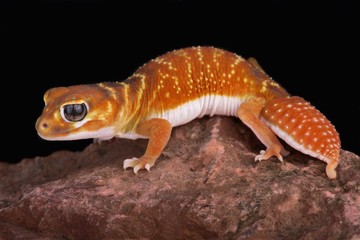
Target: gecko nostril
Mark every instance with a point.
(44, 125)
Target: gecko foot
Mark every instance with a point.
(139, 163)
(264, 155)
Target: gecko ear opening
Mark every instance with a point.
(74, 112)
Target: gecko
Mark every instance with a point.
(180, 86)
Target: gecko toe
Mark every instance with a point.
(280, 157)
(260, 156)
(130, 163)
(148, 166)
(264, 155)
(139, 163)
(137, 168)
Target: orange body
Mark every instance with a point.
(172, 90)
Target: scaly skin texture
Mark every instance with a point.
(176, 88)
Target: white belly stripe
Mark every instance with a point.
(206, 105)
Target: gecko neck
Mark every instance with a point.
(129, 97)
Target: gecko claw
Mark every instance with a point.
(137, 164)
(148, 166)
(264, 155)
(136, 168)
(129, 163)
(260, 156)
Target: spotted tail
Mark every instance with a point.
(304, 128)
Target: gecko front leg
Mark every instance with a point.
(158, 130)
(249, 114)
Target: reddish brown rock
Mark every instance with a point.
(206, 185)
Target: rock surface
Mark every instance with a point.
(206, 185)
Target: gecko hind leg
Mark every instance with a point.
(249, 114)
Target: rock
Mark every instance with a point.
(206, 185)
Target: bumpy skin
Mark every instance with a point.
(178, 87)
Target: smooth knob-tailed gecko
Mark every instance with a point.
(179, 86)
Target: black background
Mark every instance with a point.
(310, 48)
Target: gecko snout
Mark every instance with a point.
(42, 126)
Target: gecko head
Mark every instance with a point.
(77, 112)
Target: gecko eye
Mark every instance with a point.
(74, 112)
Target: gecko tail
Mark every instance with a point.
(304, 128)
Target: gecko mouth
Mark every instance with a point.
(105, 133)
